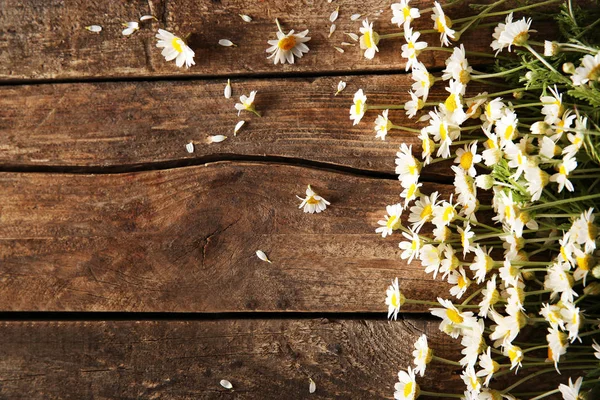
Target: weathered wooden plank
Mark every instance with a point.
(116, 124)
(47, 39)
(263, 359)
(184, 240)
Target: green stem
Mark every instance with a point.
(446, 361)
(564, 201)
(445, 395)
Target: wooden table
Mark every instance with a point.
(128, 265)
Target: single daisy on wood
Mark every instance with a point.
(286, 46)
(313, 203)
(247, 103)
(174, 48)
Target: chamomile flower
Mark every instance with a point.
(412, 48)
(407, 387)
(553, 108)
(506, 127)
(369, 39)
(461, 282)
(586, 230)
(492, 153)
(453, 321)
(588, 71)
(472, 381)
(450, 262)
(552, 315)
(408, 167)
(571, 392)
(507, 328)
(411, 191)
(358, 109)
(452, 107)
(443, 132)
(427, 145)
(413, 105)
(557, 345)
(572, 316)
(517, 158)
(411, 247)
(174, 48)
(536, 179)
(392, 220)
(467, 157)
(489, 366)
(286, 46)
(430, 259)
(403, 14)
(490, 297)
(422, 354)
(510, 273)
(313, 203)
(394, 299)
(423, 80)
(442, 24)
(568, 165)
(457, 66)
(548, 148)
(382, 125)
(465, 238)
(576, 140)
(494, 110)
(515, 355)
(444, 214)
(515, 33)
(422, 211)
(247, 104)
(560, 281)
(482, 263)
(498, 31)
(473, 342)
(585, 262)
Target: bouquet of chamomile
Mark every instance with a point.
(517, 239)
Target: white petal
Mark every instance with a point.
(147, 17)
(312, 386)
(189, 147)
(246, 18)
(226, 384)
(334, 15)
(261, 254)
(216, 139)
(226, 43)
(238, 126)
(338, 49)
(331, 29)
(347, 44)
(352, 36)
(354, 17)
(94, 28)
(227, 91)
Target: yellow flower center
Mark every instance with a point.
(492, 144)
(521, 38)
(406, 12)
(444, 23)
(454, 316)
(450, 103)
(462, 282)
(177, 44)
(427, 211)
(464, 77)
(395, 301)
(368, 40)
(443, 132)
(408, 389)
(594, 73)
(312, 200)
(287, 43)
(508, 132)
(586, 262)
(411, 191)
(448, 214)
(393, 222)
(411, 45)
(358, 106)
(466, 160)
(562, 170)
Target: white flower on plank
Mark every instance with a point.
(261, 254)
(369, 39)
(286, 46)
(94, 28)
(442, 24)
(358, 109)
(216, 139)
(313, 203)
(403, 15)
(247, 104)
(394, 299)
(227, 43)
(227, 91)
(130, 28)
(174, 48)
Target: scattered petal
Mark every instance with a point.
(94, 28)
(334, 15)
(226, 43)
(312, 386)
(226, 384)
(130, 28)
(216, 139)
(261, 254)
(338, 49)
(331, 29)
(341, 86)
(352, 36)
(246, 18)
(354, 17)
(190, 147)
(227, 91)
(347, 44)
(238, 126)
(147, 17)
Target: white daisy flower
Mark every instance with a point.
(588, 71)
(560, 281)
(457, 67)
(422, 354)
(553, 108)
(313, 203)
(585, 262)
(358, 109)
(536, 179)
(428, 146)
(498, 31)
(430, 259)
(472, 382)
(174, 48)
(467, 157)
(557, 345)
(286, 46)
(507, 328)
(411, 191)
(407, 387)
(482, 263)
(515, 33)
(442, 24)
(492, 153)
(411, 247)
(247, 104)
(130, 28)
(443, 132)
(392, 220)
(403, 14)
(450, 262)
(517, 158)
(444, 214)
(506, 128)
(369, 39)
(490, 297)
(572, 316)
(515, 355)
(413, 105)
(571, 392)
(494, 110)
(453, 321)
(473, 343)
(423, 80)
(412, 48)
(452, 107)
(422, 211)
(465, 238)
(490, 367)
(394, 299)
(382, 125)
(461, 282)
(548, 148)
(408, 167)
(552, 314)
(568, 165)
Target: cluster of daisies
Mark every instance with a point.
(517, 240)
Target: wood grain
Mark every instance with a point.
(263, 359)
(47, 39)
(184, 240)
(132, 123)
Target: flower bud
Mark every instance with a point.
(551, 48)
(518, 95)
(485, 182)
(596, 272)
(592, 289)
(568, 68)
(529, 75)
(540, 128)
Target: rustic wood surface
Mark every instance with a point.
(133, 123)
(48, 40)
(263, 359)
(185, 240)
